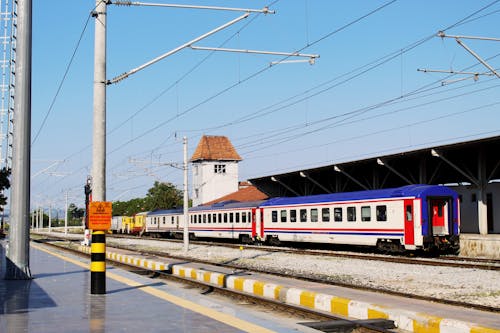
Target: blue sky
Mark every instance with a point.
(363, 96)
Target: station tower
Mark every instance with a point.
(215, 169)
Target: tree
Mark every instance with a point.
(163, 196)
(75, 212)
(4, 184)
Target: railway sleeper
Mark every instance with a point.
(350, 325)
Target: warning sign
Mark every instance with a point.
(100, 215)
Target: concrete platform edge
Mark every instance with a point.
(406, 320)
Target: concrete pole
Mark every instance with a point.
(40, 218)
(66, 214)
(186, 215)
(98, 269)
(50, 217)
(99, 132)
(18, 255)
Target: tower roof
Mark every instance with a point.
(215, 148)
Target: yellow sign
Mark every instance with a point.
(100, 213)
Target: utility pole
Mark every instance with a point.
(18, 255)
(99, 131)
(186, 216)
(98, 267)
(66, 214)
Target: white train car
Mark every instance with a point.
(165, 223)
(230, 220)
(407, 218)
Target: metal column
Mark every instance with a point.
(18, 255)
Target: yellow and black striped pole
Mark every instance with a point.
(98, 263)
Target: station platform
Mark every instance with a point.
(58, 299)
(411, 315)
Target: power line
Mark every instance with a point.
(62, 80)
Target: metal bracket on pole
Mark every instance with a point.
(475, 76)
(264, 10)
(311, 60)
(177, 49)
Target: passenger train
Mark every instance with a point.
(413, 217)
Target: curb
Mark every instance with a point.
(407, 320)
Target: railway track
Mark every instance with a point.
(446, 261)
(319, 320)
(316, 278)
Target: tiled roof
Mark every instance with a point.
(215, 148)
(250, 193)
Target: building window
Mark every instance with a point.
(220, 168)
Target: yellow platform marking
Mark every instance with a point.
(218, 316)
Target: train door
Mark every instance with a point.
(254, 223)
(258, 223)
(439, 216)
(409, 222)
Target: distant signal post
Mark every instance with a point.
(99, 222)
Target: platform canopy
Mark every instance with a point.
(473, 163)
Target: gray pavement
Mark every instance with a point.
(58, 300)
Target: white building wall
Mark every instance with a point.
(209, 185)
(469, 207)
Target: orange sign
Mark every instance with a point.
(100, 215)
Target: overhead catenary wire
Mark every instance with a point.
(63, 79)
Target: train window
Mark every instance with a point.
(209, 217)
(219, 218)
(193, 218)
(237, 217)
(243, 217)
(163, 219)
(283, 215)
(351, 214)
(293, 215)
(381, 213)
(314, 215)
(231, 217)
(303, 215)
(225, 217)
(325, 214)
(172, 220)
(214, 218)
(274, 216)
(409, 213)
(337, 214)
(249, 217)
(204, 218)
(366, 214)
